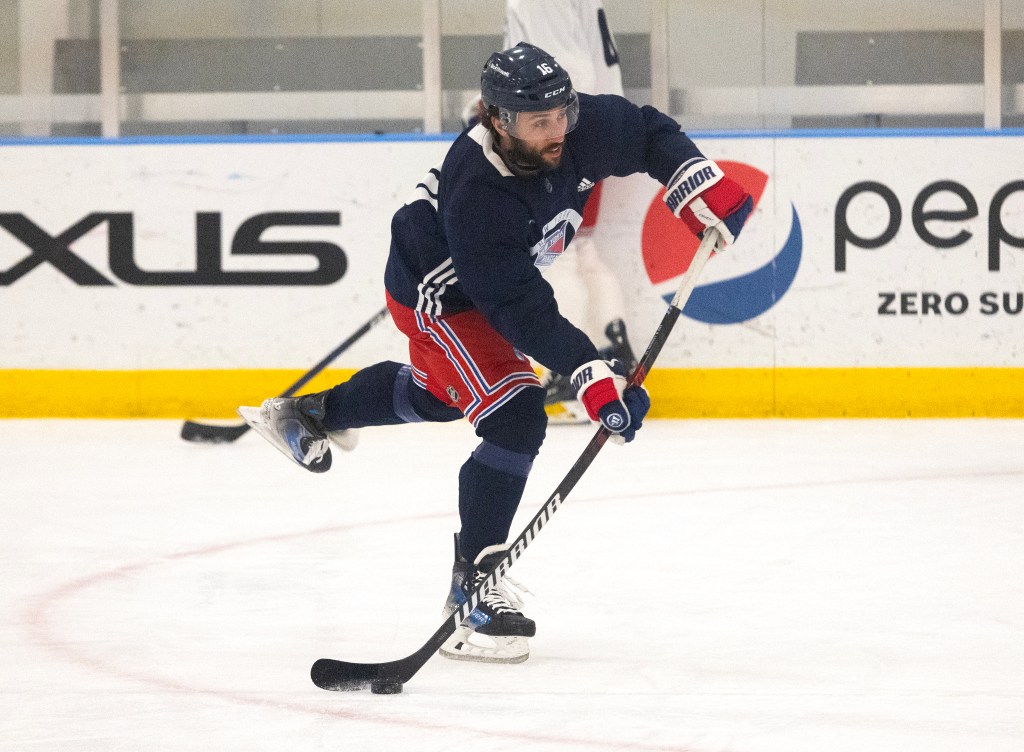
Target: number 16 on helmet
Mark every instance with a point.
(527, 79)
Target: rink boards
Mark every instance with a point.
(165, 278)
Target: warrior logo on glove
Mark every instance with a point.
(582, 377)
(690, 181)
(701, 195)
(615, 421)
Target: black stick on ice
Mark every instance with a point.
(211, 433)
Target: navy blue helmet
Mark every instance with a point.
(527, 79)
(524, 79)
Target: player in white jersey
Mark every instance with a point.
(576, 33)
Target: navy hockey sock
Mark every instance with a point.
(492, 481)
(383, 395)
(491, 484)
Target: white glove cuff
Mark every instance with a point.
(592, 372)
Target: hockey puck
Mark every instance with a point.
(386, 688)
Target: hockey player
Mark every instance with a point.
(462, 282)
(577, 35)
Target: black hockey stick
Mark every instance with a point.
(220, 434)
(328, 673)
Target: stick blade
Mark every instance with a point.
(342, 676)
(206, 433)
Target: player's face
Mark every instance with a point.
(537, 138)
(549, 125)
(542, 135)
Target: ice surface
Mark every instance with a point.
(717, 586)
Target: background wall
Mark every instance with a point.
(92, 320)
(891, 283)
(255, 48)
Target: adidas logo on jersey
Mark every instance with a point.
(585, 185)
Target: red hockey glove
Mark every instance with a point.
(601, 387)
(702, 196)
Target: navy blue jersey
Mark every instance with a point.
(473, 235)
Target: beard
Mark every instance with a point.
(535, 160)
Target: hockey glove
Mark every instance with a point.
(702, 196)
(601, 387)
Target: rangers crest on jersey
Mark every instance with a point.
(555, 237)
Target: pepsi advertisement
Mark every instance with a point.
(865, 254)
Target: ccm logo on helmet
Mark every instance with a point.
(554, 93)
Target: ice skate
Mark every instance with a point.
(496, 631)
(295, 427)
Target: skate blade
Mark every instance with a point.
(254, 417)
(468, 645)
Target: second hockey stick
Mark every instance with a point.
(329, 673)
(210, 433)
